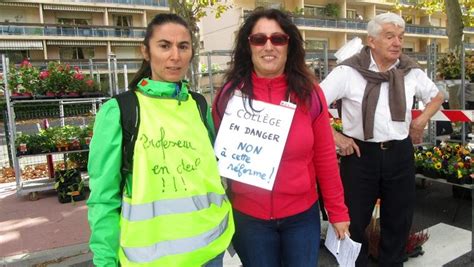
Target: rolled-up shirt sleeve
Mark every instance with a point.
(425, 89)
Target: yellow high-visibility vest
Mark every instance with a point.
(178, 214)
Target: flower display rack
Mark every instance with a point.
(66, 141)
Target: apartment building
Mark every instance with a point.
(75, 30)
(332, 23)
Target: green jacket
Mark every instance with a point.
(105, 157)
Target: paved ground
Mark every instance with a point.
(47, 233)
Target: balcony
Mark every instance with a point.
(418, 56)
(71, 30)
(361, 25)
(409, 2)
(330, 23)
(390, 2)
(312, 54)
(431, 30)
(157, 3)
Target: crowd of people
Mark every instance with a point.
(157, 198)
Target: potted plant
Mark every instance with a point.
(420, 157)
(44, 92)
(23, 81)
(38, 143)
(58, 78)
(431, 165)
(90, 89)
(414, 244)
(69, 186)
(337, 124)
(80, 160)
(85, 135)
(332, 10)
(21, 144)
(449, 68)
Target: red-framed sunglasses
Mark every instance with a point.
(260, 39)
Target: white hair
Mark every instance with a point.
(374, 27)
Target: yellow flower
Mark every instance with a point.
(429, 154)
(457, 147)
(437, 165)
(459, 174)
(460, 165)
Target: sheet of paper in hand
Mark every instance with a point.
(250, 142)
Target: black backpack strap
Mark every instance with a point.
(202, 106)
(130, 121)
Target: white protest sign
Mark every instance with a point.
(250, 142)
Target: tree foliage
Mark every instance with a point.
(193, 11)
(432, 6)
(459, 14)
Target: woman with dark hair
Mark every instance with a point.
(281, 227)
(164, 205)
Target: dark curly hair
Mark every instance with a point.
(158, 20)
(299, 78)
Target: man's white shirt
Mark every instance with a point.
(348, 84)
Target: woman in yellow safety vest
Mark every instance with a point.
(170, 208)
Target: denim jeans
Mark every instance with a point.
(292, 241)
(218, 261)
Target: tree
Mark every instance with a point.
(457, 20)
(192, 11)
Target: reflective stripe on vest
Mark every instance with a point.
(147, 211)
(178, 246)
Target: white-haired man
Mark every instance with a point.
(377, 87)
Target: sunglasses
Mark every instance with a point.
(260, 39)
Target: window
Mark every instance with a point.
(317, 11)
(351, 14)
(407, 49)
(76, 52)
(269, 4)
(123, 20)
(72, 21)
(315, 44)
(437, 22)
(408, 19)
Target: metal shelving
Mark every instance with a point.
(32, 187)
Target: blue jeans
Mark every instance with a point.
(292, 241)
(218, 261)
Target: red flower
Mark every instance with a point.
(90, 83)
(25, 63)
(79, 76)
(44, 74)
